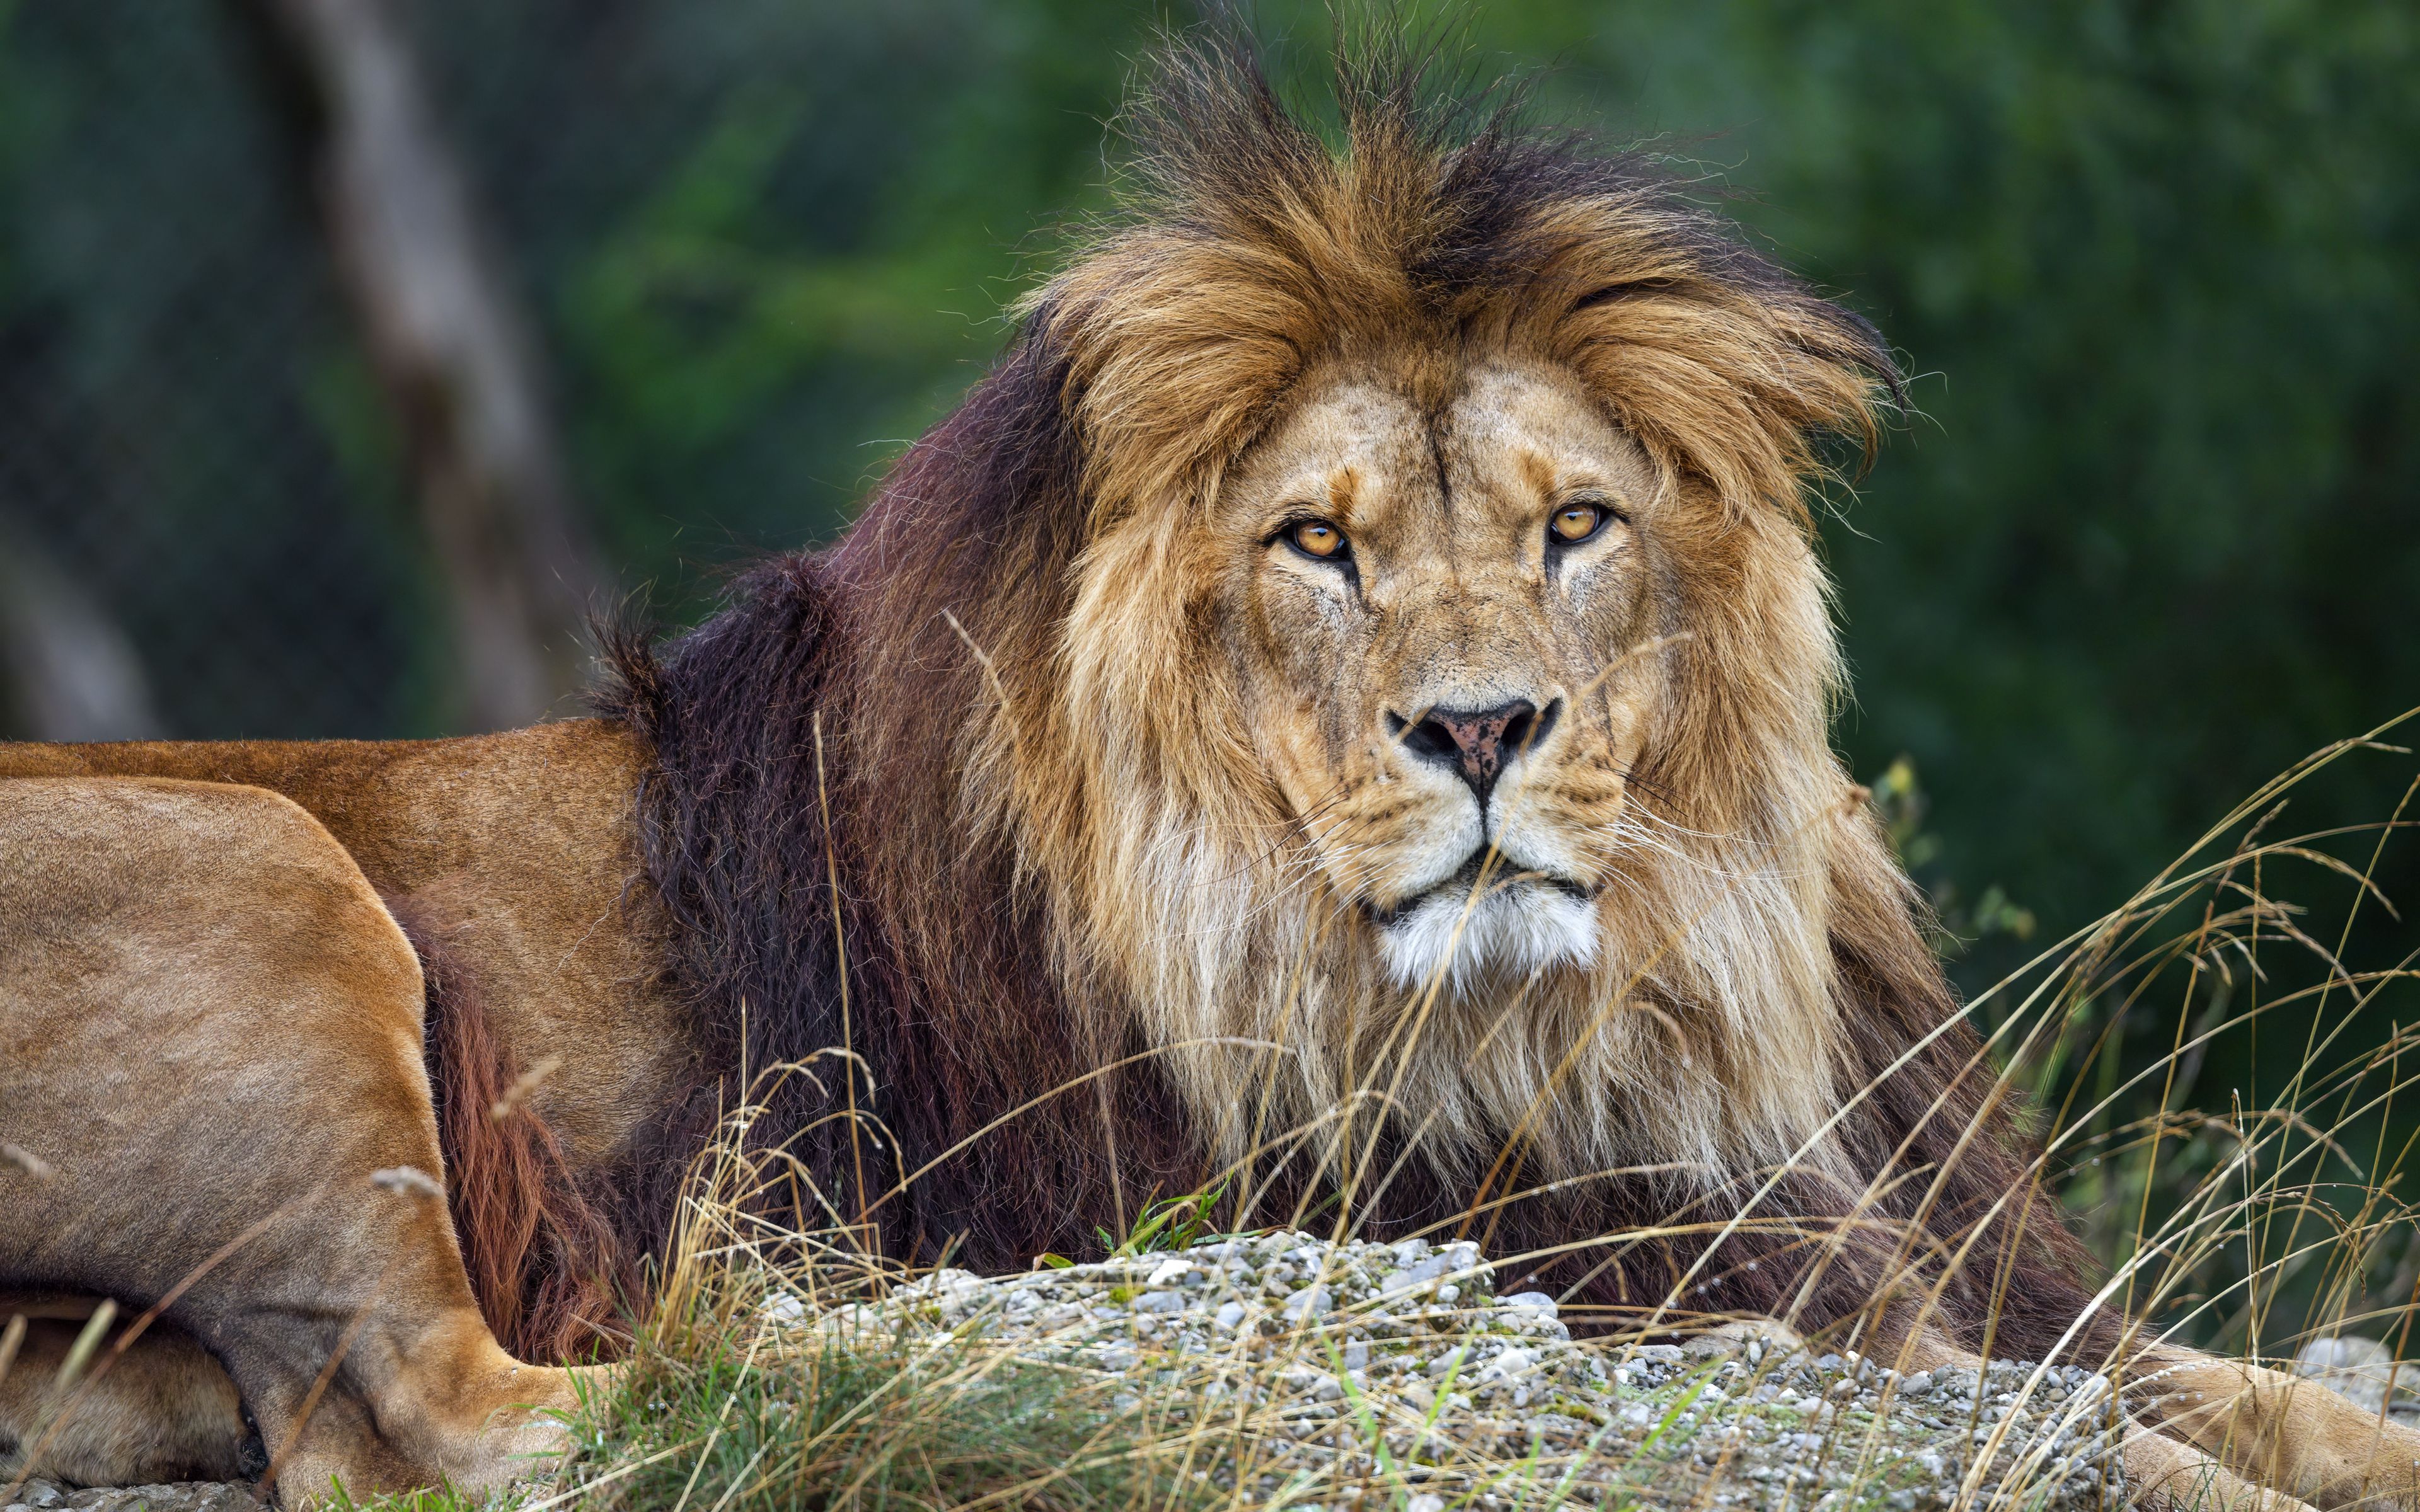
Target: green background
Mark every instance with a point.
(2152, 532)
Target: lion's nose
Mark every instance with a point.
(1476, 743)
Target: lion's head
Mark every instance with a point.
(1442, 639)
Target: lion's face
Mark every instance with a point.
(1444, 681)
(1442, 611)
(1427, 609)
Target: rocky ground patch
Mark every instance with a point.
(1339, 1370)
(186, 1496)
(1307, 1374)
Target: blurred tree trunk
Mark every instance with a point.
(66, 671)
(456, 356)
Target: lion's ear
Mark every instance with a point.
(1724, 366)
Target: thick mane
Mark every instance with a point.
(1251, 256)
(964, 796)
(812, 732)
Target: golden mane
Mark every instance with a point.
(1101, 820)
(1256, 254)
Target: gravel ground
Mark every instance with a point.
(1348, 1358)
(186, 1496)
(1345, 1358)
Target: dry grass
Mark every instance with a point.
(2252, 1227)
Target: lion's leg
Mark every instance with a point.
(2163, 1474)
(2282, 1431)
(210, 1044)
(2161, 1471)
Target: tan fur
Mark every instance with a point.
(515, 851)
(167, 1412)
(211, 1040)
(2283, 1432)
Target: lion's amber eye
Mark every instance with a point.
(1573, 523)
(1317, 538)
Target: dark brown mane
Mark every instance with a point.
(807, 825)
(760, 721)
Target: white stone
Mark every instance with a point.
(1168, 1272)
(1511, 1362)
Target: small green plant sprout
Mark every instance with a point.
(1164, 1223)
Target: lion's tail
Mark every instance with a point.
(545, 1263)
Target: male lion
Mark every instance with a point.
(1355, 679)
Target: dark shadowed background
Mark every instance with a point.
(2154, 531)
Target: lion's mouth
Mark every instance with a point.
(1502, 877)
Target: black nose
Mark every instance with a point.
(1476, 743)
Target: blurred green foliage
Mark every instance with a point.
(1958, 923)
(2151, 531)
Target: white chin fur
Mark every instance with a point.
(1511, 933)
